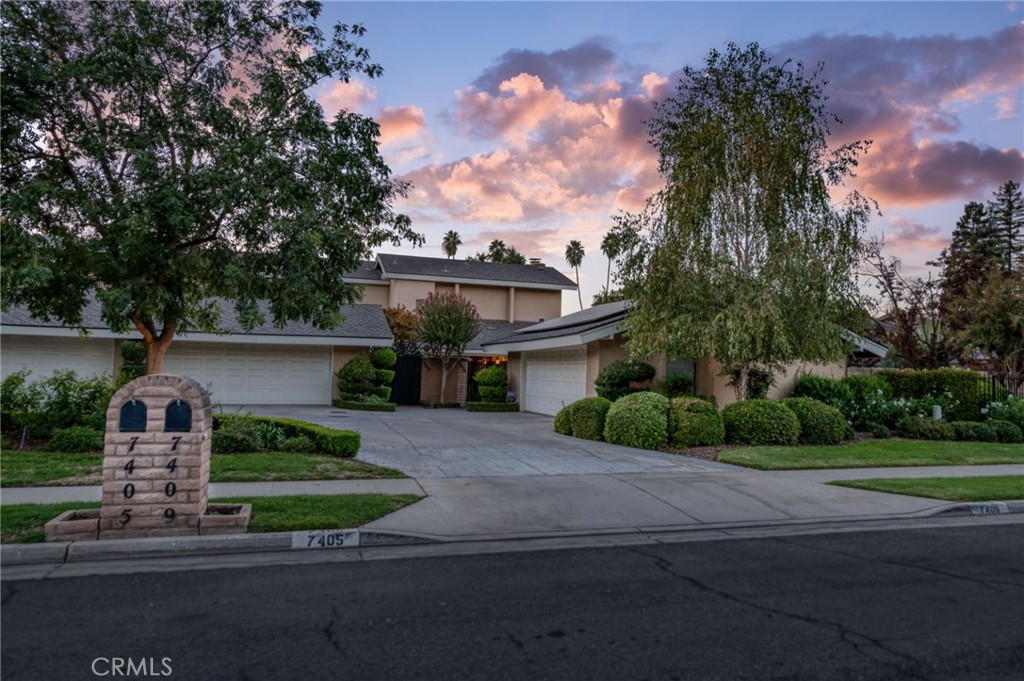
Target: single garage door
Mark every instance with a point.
(255, 374)
(43, 356)
(554, 379)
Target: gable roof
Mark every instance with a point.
(363, 325)
(578, 328)
(423, 268)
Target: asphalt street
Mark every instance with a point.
(938, 603)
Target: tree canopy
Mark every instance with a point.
(742, 255)
(574, 256)
(497, 251)
(161, 155)
(447, 323)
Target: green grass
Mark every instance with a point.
(984, 488)
(875, 453)
(36, 469)
(23, 523)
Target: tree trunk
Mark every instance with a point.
(578, 292)
(444, 380)
(155, 351)
(740, 387)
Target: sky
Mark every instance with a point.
(525, 121)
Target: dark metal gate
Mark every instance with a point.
(405, 388)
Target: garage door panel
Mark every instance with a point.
(43, 356)
(554, 379)
(256, 374)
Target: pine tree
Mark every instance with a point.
(1006, 213)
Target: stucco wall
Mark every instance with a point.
(532, 306)
(785, 382)
(405, 292)
(376, 295)
(515, 374)
(491, 301)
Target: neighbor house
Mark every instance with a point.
(555, 363)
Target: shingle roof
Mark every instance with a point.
(449, 269)
(569, 325)
(361, 321)
(492, 330)
(367, 271)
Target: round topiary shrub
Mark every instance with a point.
(563, 421)
(356, 376)
(820, 424)
(923, 428)
(492, 383)
(972, 431)
(588, 416)
(760, 422)
(617, 379)
(694, 423)
(383, 358)
(1006, 431)
(638, 420)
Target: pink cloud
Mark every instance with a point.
(402, 123)
(914, 240)
(351, 96)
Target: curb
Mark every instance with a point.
(58, 553)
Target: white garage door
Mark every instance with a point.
(554, 379)
(255, 374)
(43, 356)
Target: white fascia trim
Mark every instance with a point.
(556, 342)
(866, 344)
(240, 339)
(483, 282)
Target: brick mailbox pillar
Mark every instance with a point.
(156, 458)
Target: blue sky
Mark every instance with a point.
(523, 121)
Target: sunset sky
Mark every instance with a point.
(525, 121)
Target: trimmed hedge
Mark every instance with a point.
(364, 406)
(385, 376)
(820, 424)
(492, 406)
(343, 443)
(563, 421)
(492, 383)
(924, 428)
(638, 420)
(694, 423)
(676, 384)
(383, 358)
(76, 439)
(616, 379)
(1006, 431)
(972, 431)
(961, 385)
(587, 417)
(760, 422)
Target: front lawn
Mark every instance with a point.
(984, 488)
(23, 523)
(36, 469)
(874, 454)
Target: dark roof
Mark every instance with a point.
(492, 330)
(361, 321)
(569, 325)
(446, 268)
(367, 270)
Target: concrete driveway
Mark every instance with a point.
(453, 443)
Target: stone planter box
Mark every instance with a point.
(225, 519)
(83, 524)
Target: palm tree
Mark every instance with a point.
(496, 250)
(611, 247)
(574, 256)
(450, 243)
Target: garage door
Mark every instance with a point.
(554, 379)
(255, 374)
(43, 356)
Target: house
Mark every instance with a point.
(555, 363)
(295, 364)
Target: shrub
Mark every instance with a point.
(298, 444)
(563, 421)
(959, 388)
(238, 434)
(638, 420)
(924, 428)
(1011, 410)
(694, 423)
(385, 376)
(1006, 431)
(710, 399)
(587, 417)
(759, 381)
(133, 361)
(760, 422)
(492, 406)
(492, 383)
(61, 401)
(368, 403)
(356, 377)
(870, 401)
(381, 392)
(617, 379)
(879, 430)
(833, 392)
(972, 431)
(76, 439)
(343, 443)
(820, 424)
(383, 358)
(676, 384)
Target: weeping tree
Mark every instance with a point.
(163, 155)
(743, 256)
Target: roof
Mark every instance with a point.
(571, 330)
(466, 271)
(361, 322)
(492, 330)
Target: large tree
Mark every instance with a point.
(447, 323)
(1006, 212)
(574, 256)
(497, 251)
(743, 255)
(450, 243)
(162, 155)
